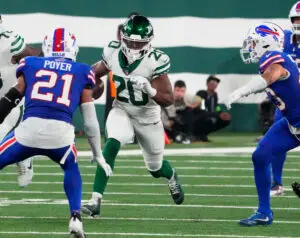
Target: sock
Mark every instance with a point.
(110, 151)
(72, 184)
(262, 175)
(165, 171)
(277, 168)
(96, 196)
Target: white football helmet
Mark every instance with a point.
(295, 12)
(261, 38)
(60, 43)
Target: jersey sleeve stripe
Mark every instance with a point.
(92, 73)
(92, 78)
(16, 40)
(269, 59)
(160, 73)
(274, 61)
(162, 66)
(17, 49)
(21, 65)
(167, 67)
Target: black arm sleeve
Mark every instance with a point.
(11, 99)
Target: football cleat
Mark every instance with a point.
(176, 189)
(257, 219)
(296, 188)
(25, 172)
(75, 226)
(276, 190)
(92, 208)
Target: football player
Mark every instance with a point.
(279, 77)
(292, 47)
(140, 73)
(13, 48)
(53, 88)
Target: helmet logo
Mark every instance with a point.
(264, 30)
(298, 7)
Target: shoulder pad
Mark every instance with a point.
(108, 51)
(272, 57)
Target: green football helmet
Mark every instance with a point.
(136, 35)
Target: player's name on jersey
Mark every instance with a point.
(57, 65)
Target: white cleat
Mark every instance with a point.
(76, 226)
(25, 172)
(276, 190)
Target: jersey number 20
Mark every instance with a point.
(53, 77)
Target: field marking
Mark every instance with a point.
(142, 194)
(152, 184)
(7, 202)
(149, 176)
(142, 219)
(189, 151)
(177, 167)
(140, 234)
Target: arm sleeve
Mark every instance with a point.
(90, 78)
(162, 65)
(17, 44)
(23, 65)
(91, 127)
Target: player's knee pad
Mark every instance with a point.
(261, 156)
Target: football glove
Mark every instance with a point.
(233, 97)
(102, 163)
(296, 188)
(144, 85)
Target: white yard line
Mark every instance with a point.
(189, 151)
(141, 234)
(149, 176)
(140, 219)
(7, 202)
(142, 194)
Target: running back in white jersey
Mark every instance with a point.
(136, 103)
(11, 44)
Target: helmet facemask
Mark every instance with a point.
(134, 47)
(248, 52)
(296, 26)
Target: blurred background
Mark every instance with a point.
(201, 37)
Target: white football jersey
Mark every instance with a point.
(136, 103)
(10, 44)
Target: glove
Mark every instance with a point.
(102, 163)
(296, 188)
(143, 84)
(233, 97)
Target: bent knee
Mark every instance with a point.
(261, 156)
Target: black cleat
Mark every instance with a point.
(176, 189)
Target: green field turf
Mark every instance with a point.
(219, 191)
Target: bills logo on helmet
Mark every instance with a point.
(264, 30)
(298, 7)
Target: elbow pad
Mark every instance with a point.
(10, 100)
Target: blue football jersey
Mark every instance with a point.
(54, 86)
(290, 47)
(284, 93)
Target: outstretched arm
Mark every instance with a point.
(92, 129)
(273, 73)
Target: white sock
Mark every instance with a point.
(96, 196)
